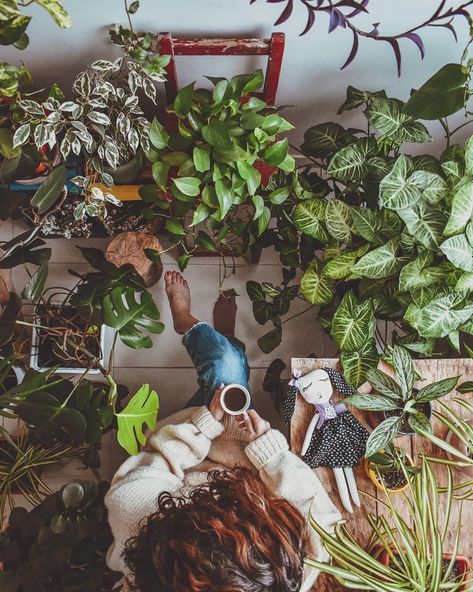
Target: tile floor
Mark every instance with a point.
(166, 367)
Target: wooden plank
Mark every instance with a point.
(166, 47)
(273, 70)
(221, 46)
(430, 371)
(303, 413)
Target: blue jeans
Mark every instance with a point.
(218, 360)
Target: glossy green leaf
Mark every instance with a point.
(442, 95)
(338, 220)
(462, 208)
(356, 364)
(398, 190)
(440, 316)
(387, 116)
(324, 139)
(275, 154)
(34, 287)
(189, 186)
(437, 389)
(202, 212)
(224, 196)
(201, 159)
(383, 435)
(141, 410)
(353, 324)
(459, 251)
(315, 287)
(403, 369)
(57, 12)
(183, 102)
(382, 262)
(50, 190)
(158, 136)
(371, 402)
(425, 223)
(350, 162)
(433, 187)
(308, 216)
(384, 384)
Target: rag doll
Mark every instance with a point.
(334, 438)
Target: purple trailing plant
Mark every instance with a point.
(342, 12)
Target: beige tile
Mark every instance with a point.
(66, 251)
(301, 335)
(6, 230)
(168, 350)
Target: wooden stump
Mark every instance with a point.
(129, 247)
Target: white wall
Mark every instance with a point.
(311, 81)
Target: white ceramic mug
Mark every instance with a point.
(243, 410)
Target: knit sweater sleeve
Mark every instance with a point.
(289, 477)
(136, 486)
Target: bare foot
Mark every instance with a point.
(225, 314)
(177, 290)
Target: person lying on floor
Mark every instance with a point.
(215, 503)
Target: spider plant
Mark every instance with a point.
(404, 552)
(20, 466)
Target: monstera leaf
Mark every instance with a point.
(142, 409)
(353, 324)
(399, 190)
(131, 318)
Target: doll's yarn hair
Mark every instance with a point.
(229, 534)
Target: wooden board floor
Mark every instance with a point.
(431, 371)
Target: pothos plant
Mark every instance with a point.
(209, 164)
(394, 232)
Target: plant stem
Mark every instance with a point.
(444, 124)
(297, 314)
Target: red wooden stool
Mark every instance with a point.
(273, 48)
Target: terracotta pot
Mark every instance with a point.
(462, 562)
(457, 443)
(372, 475)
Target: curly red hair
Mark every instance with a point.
(229, 535)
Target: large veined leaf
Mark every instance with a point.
(382, 262)
(442, 95)
(341, 266)
(462, 207)
(382, 435)
(57, 12)
(419, 273)
(142, 409)
(131, 318)
(371, 402)
(356, 364)
(439, 317)
(356, 98)
(308, 217)
(353, 324)
(465, 282)
(459, 251)
(384, 384)
(403, 369)
(325, 139)
(469, 157)
(425, 223)
(315, 287)
(397, 190)
(366, 223)
(350, 163)
(386, 115)
(338, 220)
(437, 389)
(433, 187)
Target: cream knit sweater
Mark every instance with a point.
(178, 455)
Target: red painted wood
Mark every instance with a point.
(273, 48)
(222, 46)
(273, 71)
(166, 47)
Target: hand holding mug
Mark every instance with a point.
(255, 425)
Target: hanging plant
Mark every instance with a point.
(342, 13)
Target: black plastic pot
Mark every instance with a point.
(425, 408)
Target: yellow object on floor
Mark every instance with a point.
(122, 192)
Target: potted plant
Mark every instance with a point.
(403, 553)
(390, 469)
(406, 409)
(212, 162)
(384, 236)
(60, 544)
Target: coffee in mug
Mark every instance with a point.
(235, 399)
